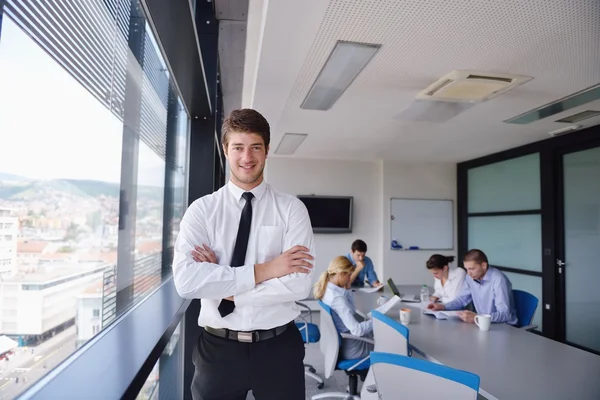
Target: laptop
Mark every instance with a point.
(394, 288)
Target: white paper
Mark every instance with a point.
(387, 306)
(442, 314)
(369, 289)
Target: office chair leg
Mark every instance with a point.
(317, 378)
(335, 395)
(310, 368)
(353, 382)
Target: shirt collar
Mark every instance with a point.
(336, 289)
(237, 191)
(487, 277)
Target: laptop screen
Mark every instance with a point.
(393, 287)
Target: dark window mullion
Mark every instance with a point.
(504, 213)
(519, 271)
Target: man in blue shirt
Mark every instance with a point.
(488, 288)
(363, 266)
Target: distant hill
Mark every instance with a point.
(96, 188)
(26, 189)
(43, 189)
(4, 177)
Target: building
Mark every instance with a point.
(9, 229)
(36, 305)
(88, 320)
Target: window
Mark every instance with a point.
(504, 220)
(84, 183)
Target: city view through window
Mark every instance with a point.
(76, 205)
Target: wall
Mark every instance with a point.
(337, 178)
(417, 181)
(372, 184)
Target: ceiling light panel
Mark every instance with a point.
(564, 104)
(290, 143)
(344, 64)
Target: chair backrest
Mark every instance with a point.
(401, 377)
(330, 340)
(525, 305)
(390, 336)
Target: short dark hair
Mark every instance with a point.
(477, 256)
(439, 261)
(359, 245)
(246, 120)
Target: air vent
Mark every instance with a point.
(471, 87)
(571, 119)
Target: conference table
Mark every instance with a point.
(512, 363)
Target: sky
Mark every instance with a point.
(51, 126)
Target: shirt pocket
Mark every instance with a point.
(269, 243)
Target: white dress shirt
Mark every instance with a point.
(341, 302)
(279, 222)
(338, 299)
(451, 289)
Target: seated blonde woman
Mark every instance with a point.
(331, 290)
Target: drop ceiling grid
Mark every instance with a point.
(557, 42)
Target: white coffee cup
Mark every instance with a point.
(483, 321)
(405, 314)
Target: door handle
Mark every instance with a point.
(560, 263)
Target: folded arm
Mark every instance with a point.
(204, 279)
(292, 287)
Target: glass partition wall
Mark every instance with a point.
(534, 210)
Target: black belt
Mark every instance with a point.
(250, 336)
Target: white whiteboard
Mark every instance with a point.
(426, 224)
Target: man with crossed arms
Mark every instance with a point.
(245, 250)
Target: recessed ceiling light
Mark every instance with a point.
(290, 143)
(343, 65)
(558, 106)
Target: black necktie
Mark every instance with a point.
(239, 251)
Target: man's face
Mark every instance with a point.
(358, 255)
(246, 153)
(475, 270)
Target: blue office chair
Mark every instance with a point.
(401, 377)
(310, 334)
(525, 304)
(390, 337)
(330, 344)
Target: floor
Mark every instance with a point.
(337, 382)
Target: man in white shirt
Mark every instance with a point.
(245, 250)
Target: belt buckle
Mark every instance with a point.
(245, 337)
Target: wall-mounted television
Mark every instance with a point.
(329, 214)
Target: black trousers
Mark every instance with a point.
(226, 370)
